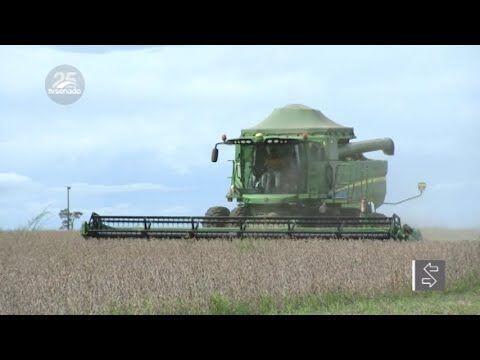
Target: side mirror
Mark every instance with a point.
(214, 154)
(422, 186)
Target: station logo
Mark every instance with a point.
(64, 84)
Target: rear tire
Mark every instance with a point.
(216, 211)
(239, 211)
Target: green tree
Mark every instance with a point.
(68, 219)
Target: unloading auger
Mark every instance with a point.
(295, 175)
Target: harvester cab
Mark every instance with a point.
(295, 174)
(297, 161)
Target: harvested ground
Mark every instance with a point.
(52, 272)
(442, 234)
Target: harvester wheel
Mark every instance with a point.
(239, 211)
(215, 211)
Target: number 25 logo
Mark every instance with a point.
(64, 79)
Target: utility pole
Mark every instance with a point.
(68, 207)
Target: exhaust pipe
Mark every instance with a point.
(385, 144)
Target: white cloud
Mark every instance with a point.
(13, 181)
(11, 178)
(92, 189)
(23, 198)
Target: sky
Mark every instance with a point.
(138, 141)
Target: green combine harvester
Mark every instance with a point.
(295, 175)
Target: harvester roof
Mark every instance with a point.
(296, 118)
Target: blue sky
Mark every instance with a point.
(139, 140)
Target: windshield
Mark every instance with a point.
(274, 169)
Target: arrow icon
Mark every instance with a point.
(430, 267)
(430, 280)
